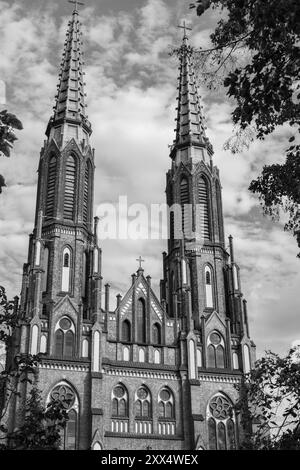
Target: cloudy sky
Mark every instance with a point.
(131, 87)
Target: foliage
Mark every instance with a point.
(42, 426)
(270, 403)
(8, 122)
(256, 49)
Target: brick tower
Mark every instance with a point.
(151, 373)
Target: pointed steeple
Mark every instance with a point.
(69, 119)
(190, 129)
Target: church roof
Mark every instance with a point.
(70, 98)
(190, 122)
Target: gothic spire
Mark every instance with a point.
(70, 108)
(190, 128)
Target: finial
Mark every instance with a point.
(76, 3)
(140, 261)
(185, 28)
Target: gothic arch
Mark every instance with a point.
(204, 201)
(209, 283)
(70, 185)
(216, 350)
(64, 337)
(66, 264)
(120, 401)
(64, 391)
(141, 320)
(50, 197)
(221, 422)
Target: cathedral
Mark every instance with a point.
(157, 372)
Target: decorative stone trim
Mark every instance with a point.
(67, 367)
(219, 378)
(143, 436)
(142, 374)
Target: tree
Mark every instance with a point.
(269, 403)
(42, 426)
(8, 122)
(256, 48)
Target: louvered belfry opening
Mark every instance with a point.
(204, 209)
(86, 193)
(69, 201)
(49, 212)
(184, 201)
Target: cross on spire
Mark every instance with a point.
(185, 28)
(140, 260)
(76, 3)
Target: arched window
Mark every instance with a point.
(66, 395)
(126, 354)
(126, 330)
(85, 348)
(66, 270)
(215, 351)
(86, 193)
(64, 338)
(220, 212)
(43, 345)
(119, 401)
(141, 355)
(45, 268)
(157, 357)
(205, 229)
(208, 287)
(166, 404)
(34, 339)
(235, 360)
(70, 185)
(221, 424)
(141, 321)
(156, 334)
(143, 403)
(185, 209)
(199, 358)
(51, 185)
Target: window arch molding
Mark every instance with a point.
(65, 390)
(209, 283)
(221, 423)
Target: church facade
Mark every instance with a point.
(155, 373)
